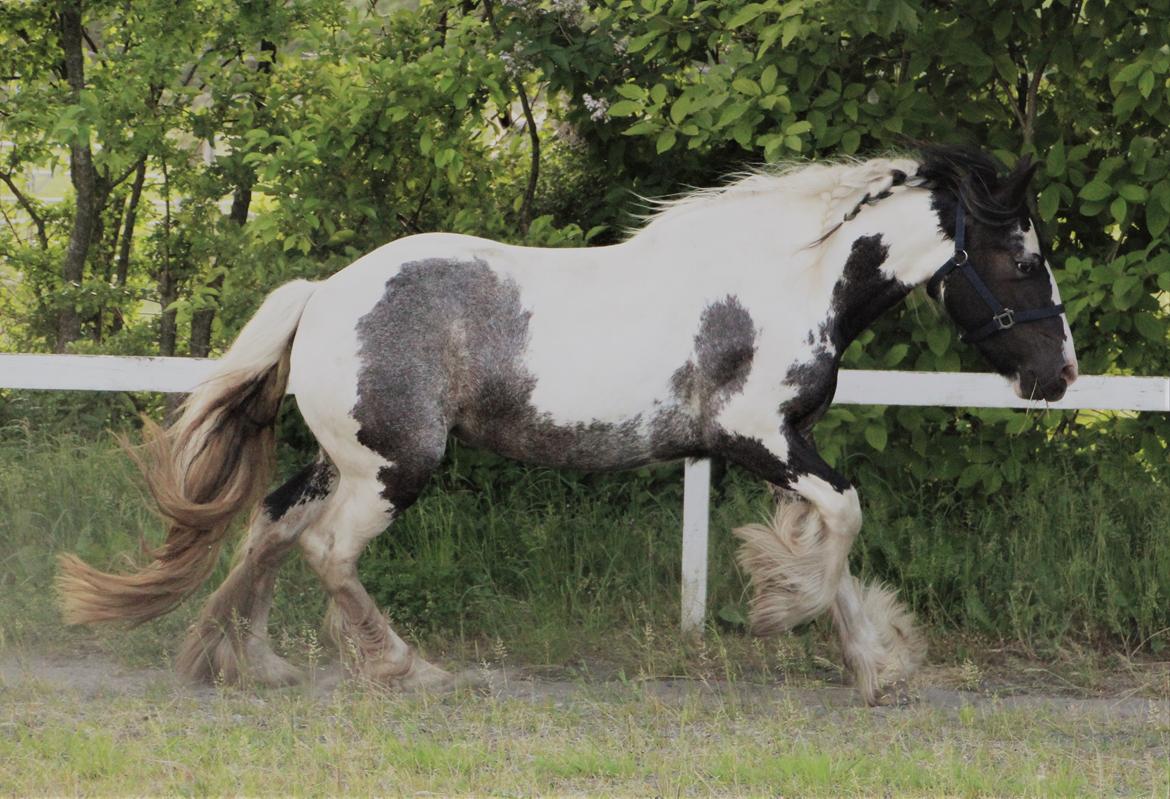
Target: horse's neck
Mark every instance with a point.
(909, 229)
(878, 257)
(762, 246)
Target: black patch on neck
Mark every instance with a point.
(862, 293)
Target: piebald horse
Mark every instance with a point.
(714, 330)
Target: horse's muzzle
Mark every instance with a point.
(1029, 386)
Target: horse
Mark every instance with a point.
(716, 329)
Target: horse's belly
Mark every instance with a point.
(665, 434)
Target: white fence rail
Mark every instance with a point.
(855, 387)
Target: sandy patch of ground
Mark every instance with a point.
(97, 675)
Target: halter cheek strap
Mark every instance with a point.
(1002, 318)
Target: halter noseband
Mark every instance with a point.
(1002, 318)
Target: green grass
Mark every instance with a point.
(606, 740)
(575, 578)
(559, 567)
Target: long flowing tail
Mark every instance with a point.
(213, 462)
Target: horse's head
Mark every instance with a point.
(999, 288)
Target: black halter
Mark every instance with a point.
(1002, 317)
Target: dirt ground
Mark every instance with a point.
(85, 723)
(93, 675)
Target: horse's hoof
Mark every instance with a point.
(897, 694)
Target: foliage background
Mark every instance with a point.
(165, 164)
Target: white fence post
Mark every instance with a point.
(696, 496)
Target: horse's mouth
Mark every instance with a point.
(1049, 391)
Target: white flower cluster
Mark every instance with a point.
(515, 63)
(598, 107)
(571, 11)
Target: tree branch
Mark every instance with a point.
(29, 209)
(11, 226)
(1031, 102)
(533, 134)
(1015, 109)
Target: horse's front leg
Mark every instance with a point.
(796, 560)
(798, 564)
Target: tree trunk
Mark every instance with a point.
(168, 283)
(122, 266)
(168, 293)
(201, 320)
(85, 179)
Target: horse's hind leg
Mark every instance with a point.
(357, 513)
(229, 640)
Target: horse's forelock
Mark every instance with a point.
(975, 178)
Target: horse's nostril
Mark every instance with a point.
(1069, 373)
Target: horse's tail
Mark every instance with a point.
(211, 463)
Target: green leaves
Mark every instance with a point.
(1048, 202)
(408, 122)
(876, 436)
(666, 140)
(1096, 190)
(747, 86)
(745, 15)
(1158, 209)
(625, 108)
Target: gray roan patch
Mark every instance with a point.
(724, 348)
(443, 351)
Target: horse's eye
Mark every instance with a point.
(1026, 267)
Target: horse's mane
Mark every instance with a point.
(977, 179)
(845, 185)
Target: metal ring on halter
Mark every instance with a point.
(960, 261)
(1005, 319)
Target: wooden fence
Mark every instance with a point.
(855, 387)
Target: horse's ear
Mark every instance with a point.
(1013, 189)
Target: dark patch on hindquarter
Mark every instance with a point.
(446, 335)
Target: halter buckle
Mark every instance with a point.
(1005, 319)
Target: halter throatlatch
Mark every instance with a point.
(1002, 317)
